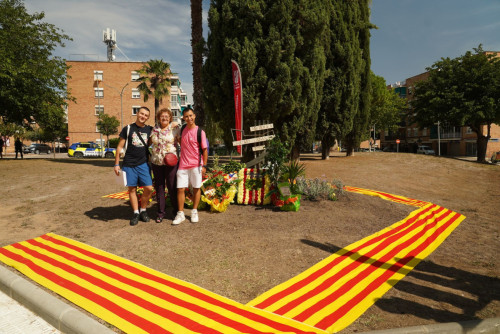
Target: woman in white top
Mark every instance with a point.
(163, 140)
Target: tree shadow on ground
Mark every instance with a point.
(468, 292)
(98, 162)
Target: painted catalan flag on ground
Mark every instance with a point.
(120, 195)
(132, 297)
(336, 291)
(325, 298)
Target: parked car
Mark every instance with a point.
(37, 148)
(495, 157)
(90, 149)
(425, 150)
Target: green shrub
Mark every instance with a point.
(113, 142)
(317, 189)
(277, 156)
(232, 166)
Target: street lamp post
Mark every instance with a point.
(99, 108)
(439, 141)
(121, 102)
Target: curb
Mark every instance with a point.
(486, 326)
(62, 316)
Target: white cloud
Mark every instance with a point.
(145, 30)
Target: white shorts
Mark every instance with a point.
(192, 176)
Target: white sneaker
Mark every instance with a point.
(194, 216)
(179, 218)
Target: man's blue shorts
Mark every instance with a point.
(138, 176)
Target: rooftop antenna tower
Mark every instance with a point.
(109, 38)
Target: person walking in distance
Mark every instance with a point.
(18, 145)
(192, 165)
(134, 138)
(1, 146)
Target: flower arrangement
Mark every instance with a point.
(219, 190)
(253, 187)
(285, 199)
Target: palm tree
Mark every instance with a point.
(155, 81)
(197, 45)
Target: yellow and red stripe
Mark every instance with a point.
(336, 291)
(387, 196)
(120, 195)
(135, 298)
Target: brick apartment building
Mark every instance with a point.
(452, 141)
(110, 87)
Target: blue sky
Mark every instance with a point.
(412, 34)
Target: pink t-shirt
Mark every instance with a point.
(190, 153)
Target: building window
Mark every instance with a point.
(135, 76)
(96, 129)
(135, 110)
(183, 100)
(469, 130)
(415, 132)
(135, 93)
(97, 75)
(98, 92)
(408, 132)
(99, 109)
(424, 132)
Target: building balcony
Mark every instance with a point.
(451, 135)
(175, 105)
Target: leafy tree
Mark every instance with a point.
(12, 129)
(108, 125)
(155, 81)
(52, 123)
(29, 75)
(386, 106)
(278, 46)
(197, 46)
(464, 91)
(346, 89)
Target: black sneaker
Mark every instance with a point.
(143, 216)
(135, 219)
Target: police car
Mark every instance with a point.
(89, 149)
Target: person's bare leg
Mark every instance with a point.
(146, 196)
(196, 197)
(181, 198)
(132, 195)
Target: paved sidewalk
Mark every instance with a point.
(64, 317)
(16, 319)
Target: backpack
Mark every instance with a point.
(198, 137)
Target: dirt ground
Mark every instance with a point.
(247, 250)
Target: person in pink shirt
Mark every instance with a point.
(192, 165)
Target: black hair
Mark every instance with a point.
(188, 108)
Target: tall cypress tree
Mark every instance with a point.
(345, 91)
(278, 47)
(353, 139)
